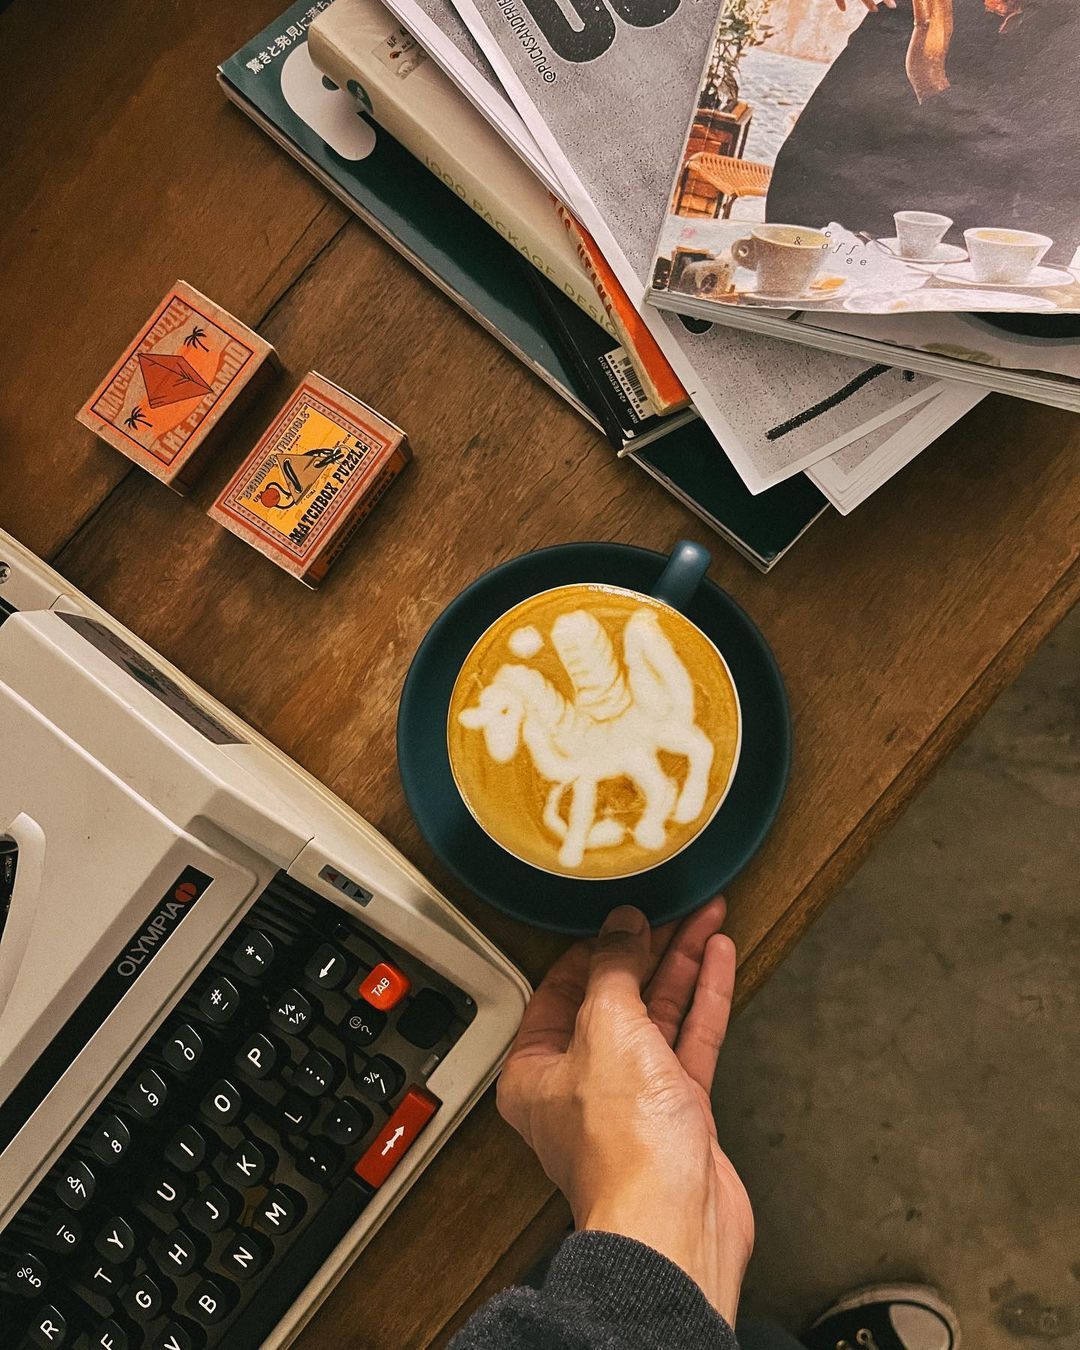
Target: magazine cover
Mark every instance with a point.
(581, 89)
(875, 158)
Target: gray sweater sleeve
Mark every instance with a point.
(602, 1292)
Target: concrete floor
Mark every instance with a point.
(902, 1098)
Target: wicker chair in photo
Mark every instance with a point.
(732, 178)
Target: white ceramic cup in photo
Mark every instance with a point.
(786, 258)
(1003, 256)
(918, 233)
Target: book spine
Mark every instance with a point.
(504, 193)
(665, 389)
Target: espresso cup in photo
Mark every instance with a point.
(1003, 256)
(594, 731)
(918, 233)
(786, 258)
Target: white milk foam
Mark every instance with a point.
(622, 715)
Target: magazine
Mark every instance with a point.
(1024, 355)
(856, 472)
(867, 158)
(769, 404)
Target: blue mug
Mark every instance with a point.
(573, 904)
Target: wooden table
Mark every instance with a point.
(124, 168)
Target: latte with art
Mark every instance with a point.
(593, 732)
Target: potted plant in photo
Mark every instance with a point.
(742, 25)
(722, 119)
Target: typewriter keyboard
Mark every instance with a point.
(241, 1145)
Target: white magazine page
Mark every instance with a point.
(1028, 344)
(438, 28)
(856, 472)
(915, 154)
(613, 142)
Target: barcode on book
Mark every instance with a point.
(626, 377)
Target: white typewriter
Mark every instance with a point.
(235, 1023)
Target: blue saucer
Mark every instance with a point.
(565, 904)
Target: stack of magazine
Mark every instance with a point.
(540, 170)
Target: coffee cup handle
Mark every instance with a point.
(683, 574)
(742, 250)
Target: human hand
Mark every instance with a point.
(608, 1082)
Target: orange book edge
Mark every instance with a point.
(663, 386)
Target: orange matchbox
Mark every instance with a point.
(314, 475)
(190, 365)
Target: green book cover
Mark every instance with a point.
(762, 526)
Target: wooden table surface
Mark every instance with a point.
(122, 167)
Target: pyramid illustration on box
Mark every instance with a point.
(170, 379)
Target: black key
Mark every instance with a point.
(49, 1328)
(183, 1048)
(253, 952)
(179, 1252)
(317, 1074)
(360, 1027)
(323, 1231)
(105, 1281)
(187, 1148)
(168, 1190)
(246, 1166)
(145, 1297)
(320, 1160)
(295, 1113)
(212, 1209)
(222, 1104)
(381, 1078)
(427, 1019)
(327, 967)
(246, 1254)
(177, 1337)
(108, 1335)
(27, 1276)
(347, 1122)
(281, 1209)
(111, 1140)
(76, 1185)
(146, 1096)
(116, 1241)
(292, 1012)
(219, 1000)
(62, 1234)
(257, 1056)
(212, 1301)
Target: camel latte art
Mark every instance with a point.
(593, 732)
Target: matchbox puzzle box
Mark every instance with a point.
(191, 364)
(317, 471)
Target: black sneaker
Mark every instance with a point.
(886, 1317)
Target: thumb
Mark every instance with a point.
(620, 958)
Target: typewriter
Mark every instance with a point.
(235, 1023)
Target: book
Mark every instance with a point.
(665, 389)
(361, 47)
(762, 527)
(617, 394)
(425, 222)
(893, 161)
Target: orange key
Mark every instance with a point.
(397, 1136)
(384, 987)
